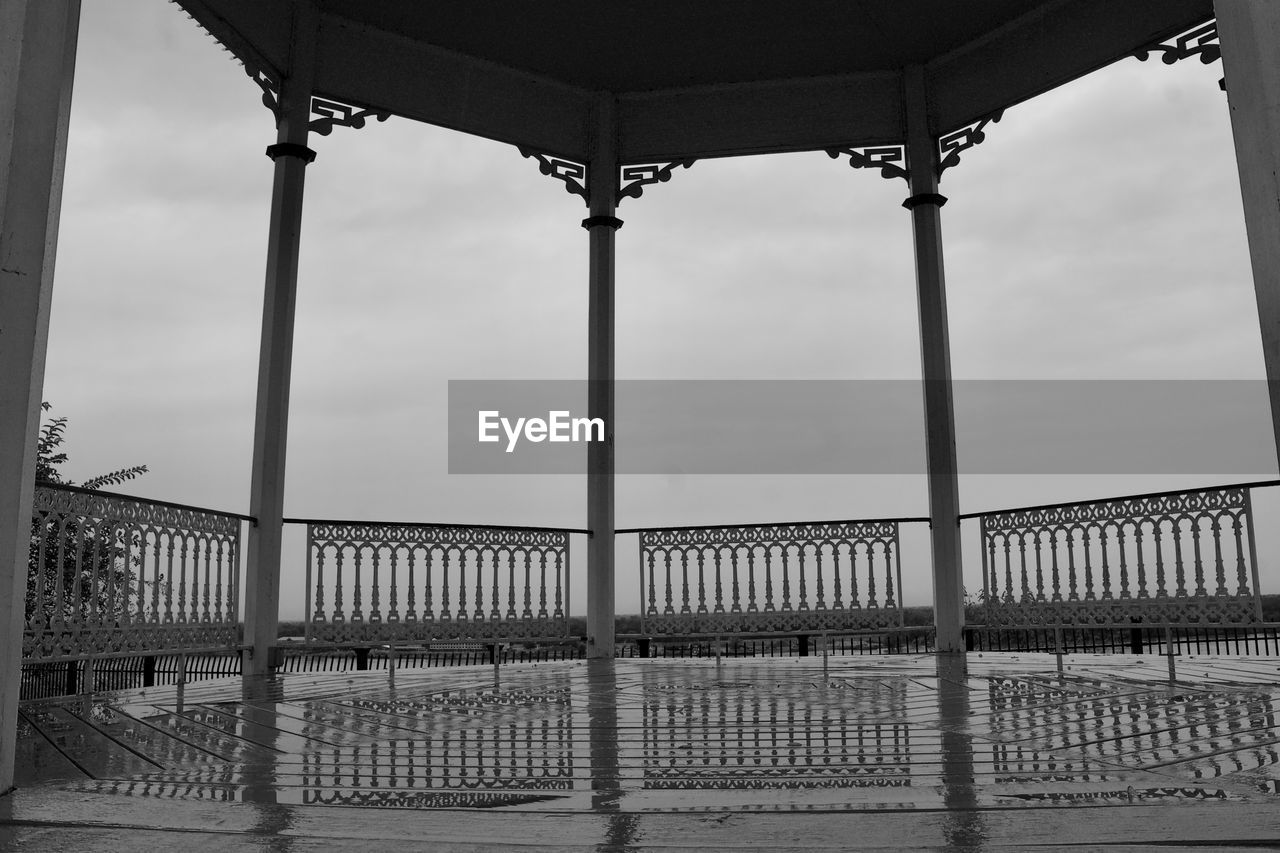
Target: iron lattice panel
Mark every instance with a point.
(111, 574)
(784, 578)
(1186, 557)
(370, 583)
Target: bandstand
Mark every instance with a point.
(611, 100)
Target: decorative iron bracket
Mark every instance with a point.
(633, 179)
(574, 175)
(1199, 41)
(889, 159)
(336, 114)
(951, 144)
(270, 87)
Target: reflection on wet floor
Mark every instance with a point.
(631, 736)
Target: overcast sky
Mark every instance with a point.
(1096, 234)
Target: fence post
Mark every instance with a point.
(1135, 638)
(1057, 641)
(149, 671)
(642, 645)
(362, 658)
(804, 645)
(1168, 649)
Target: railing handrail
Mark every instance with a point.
(438, 525)
(63, 487)
(1255, 484)
(903, 520)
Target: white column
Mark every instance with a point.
(37, 65)
(275, 360)
(1249, 31)
(602, 192)
(935, 354)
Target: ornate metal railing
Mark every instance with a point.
(112, 574)
(372, 582)
(770, 578)
(1174, 557)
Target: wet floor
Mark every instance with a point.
(949, 753)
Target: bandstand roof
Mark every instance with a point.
(694, 79)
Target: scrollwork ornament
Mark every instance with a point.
(269, 85)
(572, 174)
(952, 144)
(1201, 41)
(889, 159)
(633, 179)
(336, 114)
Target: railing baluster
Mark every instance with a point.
(1073, 593)
(357, 583)
(1039, 568)
(736, 595)
(411, 585)
(527, 612)
(803, 590)
(1106, 564)
(666, 553)
(393, 594)
(479, 555)
(1198, 564)
(890, 568)
(702, 584)
(1219, 566)
(1179, 569)
(375, 604)
(205, 602)
(871, 571)
(1008, 570)
(339, 615)
(168, 578)
(786, 577)
(684, 582)
(719, 603)
(1124, 566)
(182, 577)
(1242, 576)
(768, 577)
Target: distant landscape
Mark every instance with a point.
(922, 616)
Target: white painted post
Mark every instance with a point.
(602, 192)
(271, 424)
(1249, 32)
(37, 66)
(935, 356)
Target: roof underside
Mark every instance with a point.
(694, 79)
